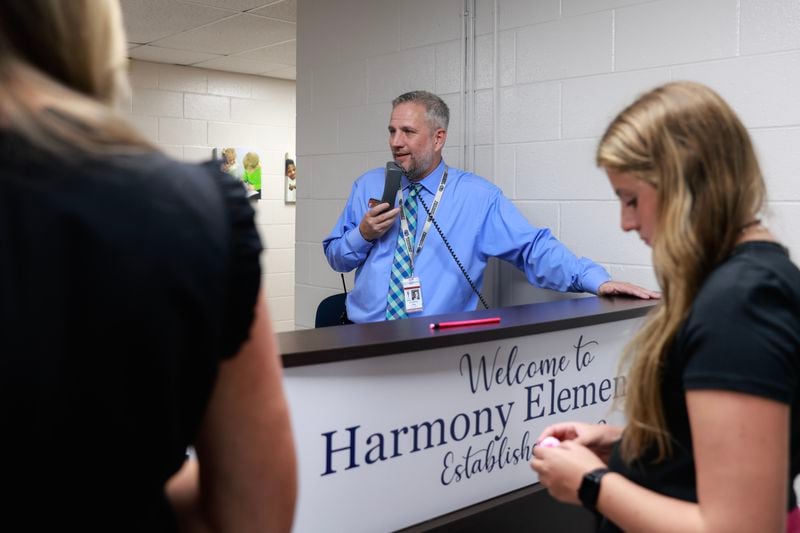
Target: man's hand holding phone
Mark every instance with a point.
(381, 214)
(377, 221)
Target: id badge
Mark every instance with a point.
(413, 295)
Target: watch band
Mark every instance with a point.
(589, 490)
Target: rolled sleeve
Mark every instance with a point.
(594, 275)
(356, 242)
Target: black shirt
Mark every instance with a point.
(742, 334)
(124, 281)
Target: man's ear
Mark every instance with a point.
(439, 138)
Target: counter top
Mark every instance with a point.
(357, 341)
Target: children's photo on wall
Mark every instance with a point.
(291, 180)
(244, 164)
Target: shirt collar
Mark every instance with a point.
(431, 182)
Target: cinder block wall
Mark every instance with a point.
(188, 111)
(536, 86)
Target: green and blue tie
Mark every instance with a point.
(401, 266)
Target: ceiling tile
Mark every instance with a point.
(286, 73)
(235, 5)
(150, 20)
(169, 55)
(283, 10)
(285, 53)
(236, 64)
(229, 36)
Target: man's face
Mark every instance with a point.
(415, 143)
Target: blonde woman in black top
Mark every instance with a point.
(711, 442)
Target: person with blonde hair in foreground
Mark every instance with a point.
(711, 442)
(131, 323)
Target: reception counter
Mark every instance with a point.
(401, 427)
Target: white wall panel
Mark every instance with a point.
(592, 229)
(769, 26)
(518, 13)
(589, 104)
(334, 174)
(157, 103)
(761, 89)
(530, 112)
(574, 46)
(394, 74)
(364, 129)
(183, 79)
(422, 22)
(779, 154)
(449, 64)
(578, 7)
(340, 85)
(560, 170)
(674, 31)
(207, 107)
(182, 131)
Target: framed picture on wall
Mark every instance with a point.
(244, 164)
(290, 194)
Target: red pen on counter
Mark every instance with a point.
(475, 322)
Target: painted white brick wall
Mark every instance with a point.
(188, 111)
(565, 68)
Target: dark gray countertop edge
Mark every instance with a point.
(357, 341)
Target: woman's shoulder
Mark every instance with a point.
(159, 181)
(757, 273)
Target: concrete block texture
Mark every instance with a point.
(564, 48)
(674, 31)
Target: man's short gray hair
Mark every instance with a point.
(435, 109)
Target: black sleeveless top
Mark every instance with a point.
(742, 334)
(123, 282)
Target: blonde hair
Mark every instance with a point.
(229, 152)
(683, 139)
(62, 69)
(251, 160)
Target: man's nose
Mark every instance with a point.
(396, 139)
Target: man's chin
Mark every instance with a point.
(402, 163)
(413, 174)
(409, 171)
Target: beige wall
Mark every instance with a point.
(187, 111)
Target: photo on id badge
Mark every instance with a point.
(413, 295)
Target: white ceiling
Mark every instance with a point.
(247, 36)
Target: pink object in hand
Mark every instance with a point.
(549, 442)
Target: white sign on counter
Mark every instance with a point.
(387, 442)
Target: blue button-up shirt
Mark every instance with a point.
(478, 221)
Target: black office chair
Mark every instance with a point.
(331, 312)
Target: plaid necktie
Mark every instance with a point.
(401, 266)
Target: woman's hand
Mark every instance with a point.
(598, 438)
(561, 468)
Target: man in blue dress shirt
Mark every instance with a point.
(477, 220)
